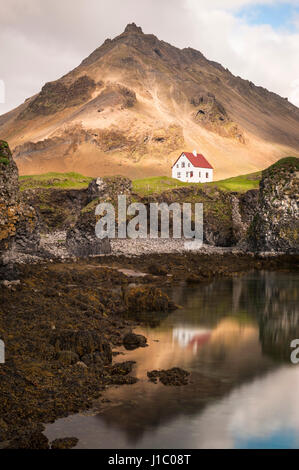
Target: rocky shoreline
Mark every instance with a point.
(63, 322)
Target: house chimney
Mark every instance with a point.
(194, 153)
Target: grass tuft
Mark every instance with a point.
(55, 180)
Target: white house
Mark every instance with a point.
(192, 168)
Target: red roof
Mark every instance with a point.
(198, 161)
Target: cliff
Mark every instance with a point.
(275, 225)
(19, 227)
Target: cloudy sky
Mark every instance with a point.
(42, 40)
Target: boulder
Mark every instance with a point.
(157, 270)
(82, 342)
(132, 341)
(174, 376)
(147, 299)
(64, 443)
(81, 240)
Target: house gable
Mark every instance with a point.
(198, 161)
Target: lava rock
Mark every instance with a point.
(64, 443)
(19, 224)
(157, 270)
(147, 299)
(174, 376)
(67, 358)
(275, 225)
(122, 368)
(30, 440)
(132, 341)
(81, 240)
(82, 342)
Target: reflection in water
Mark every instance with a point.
(234, 336)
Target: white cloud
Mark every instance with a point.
(294, 96)
(40, 41)
(268, 57)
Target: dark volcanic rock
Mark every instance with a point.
(82, 342)
(56, 96)
(122, 368)
(67, 357)
(64, 443)
(19, 225)
(217, 211)
(147, 299)
(81, 240)
(108, 188)
(34, 439)
(174, 376)
(275, 225)
(157, 270)
(133, 341)
(212, 114)
(58, 209)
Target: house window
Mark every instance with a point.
(189, 165)
(207, 175)
(187, 174)
(199, 174)
(191, 174)
(179, 175)
(177, 165)
(183, 165)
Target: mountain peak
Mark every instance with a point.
(133, 28)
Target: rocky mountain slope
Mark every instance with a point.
(136, 102)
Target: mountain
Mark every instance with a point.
(136, 102)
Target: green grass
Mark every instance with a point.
(287, 162)
(143, 187)
(55, 180)
(156, 184)
(239, 183)
(4, 160)
(159, 184)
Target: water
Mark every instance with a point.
(234, 337)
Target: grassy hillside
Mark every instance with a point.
(292, 162)
(161, 183)
(55, 180)
(156, 184)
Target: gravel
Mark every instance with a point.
(52, 246)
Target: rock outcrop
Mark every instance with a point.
(226, 215)
(175, 376)
(83, 343)
(19, 225)
(275, 225)
(81, 238)
(243, 209)
(108, 188)
(212, 115)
